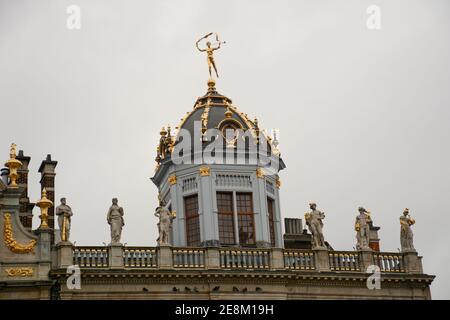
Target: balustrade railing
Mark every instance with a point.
(244, 259)
(236, 258)
(344, 261)
(135, 257)
(188, 258)
(90, 257)
(389, 262)
(298, 260)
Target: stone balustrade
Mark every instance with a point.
(90, 257)
(344, 261)
(212, 258)
(389, 262)
(188, 258)
(244, 259)
(135, 257)
(299, 260)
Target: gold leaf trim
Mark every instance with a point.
(19, 272)
(9, 238)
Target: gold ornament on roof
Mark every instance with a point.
(260, 173)
(172, 180)
(44, 204)
(204, 171)
(13, 164)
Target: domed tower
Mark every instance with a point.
(219, 174)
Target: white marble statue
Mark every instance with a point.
(115, 220)
(314, 222)
(406, 234)
(164, 224)
(362, 228)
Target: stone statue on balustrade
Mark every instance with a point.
(406, 234)
(165, 223)
(314, 222)
(64, 213)
(362, 228)
(116, 222)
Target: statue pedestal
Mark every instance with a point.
(115, 256)
(321, 259)
(212, 258)
(412, 261)
(366, 258)
(165, 259)
(64, 254)
(276, 258)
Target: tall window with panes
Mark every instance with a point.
(192, 221)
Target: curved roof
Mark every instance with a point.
(211, 109)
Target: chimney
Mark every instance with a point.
(47, 170)
(25, 207)
(374, 240)
(295, 237)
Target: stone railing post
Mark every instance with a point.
(212, 258)
(165, 257)
(64, 254)
(412, 262)
(321, 259)
(115, 256)
(366, 259)
(276, 258)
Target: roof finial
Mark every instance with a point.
(44, 204)
(13, 164)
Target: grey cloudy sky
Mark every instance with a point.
(363, 114)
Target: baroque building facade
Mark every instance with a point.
(220, 228)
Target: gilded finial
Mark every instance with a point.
(44, 204)
(13, 164)
(12, 151)
(228, 113)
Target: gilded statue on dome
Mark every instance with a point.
(209, 49)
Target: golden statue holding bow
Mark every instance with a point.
(210, 52)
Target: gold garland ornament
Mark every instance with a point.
(19, 272)
(9, 238)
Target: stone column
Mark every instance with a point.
(366, 259)
(43, 247)
(212, 259)
(165, 257)
(321, 259)
(260, 208)
(208, 218)
(412, 262)
(64, 254)
(277, 216)
(178, 225)
(115, 256)
(276, 259)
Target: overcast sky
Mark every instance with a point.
(363, 114)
